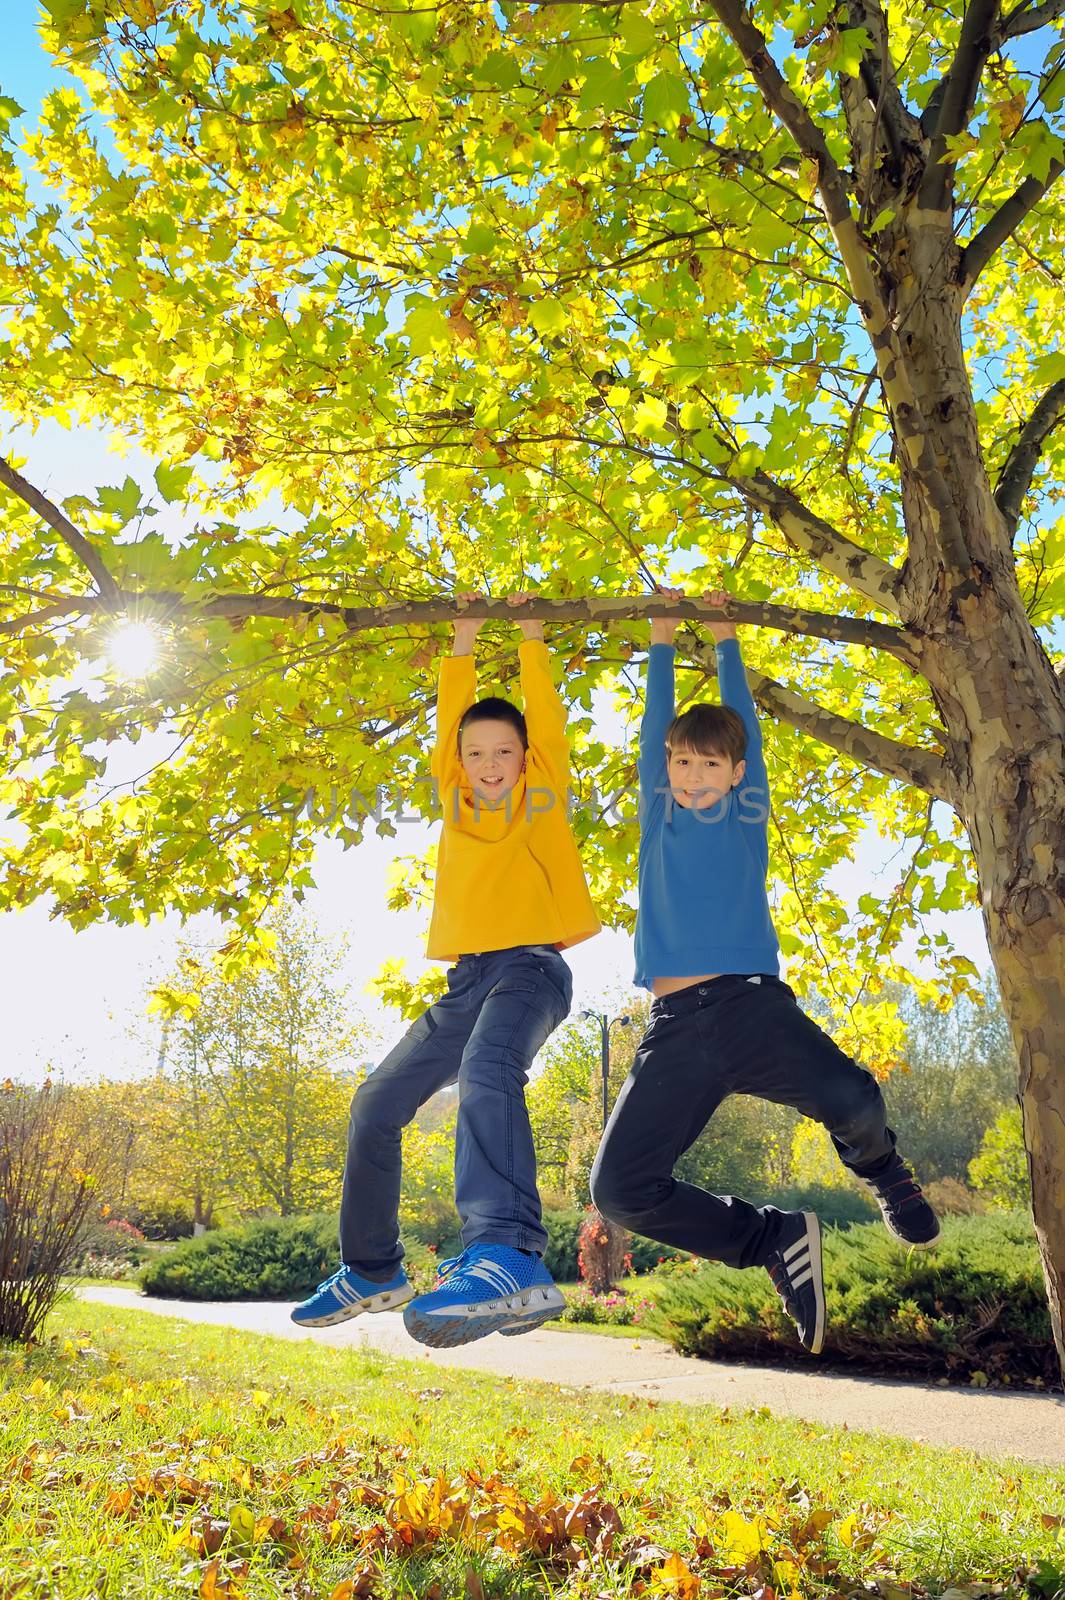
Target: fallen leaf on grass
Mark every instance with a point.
(360, 1582)
(213, 1586)
(675, 1577)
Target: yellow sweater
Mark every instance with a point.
(508, 872)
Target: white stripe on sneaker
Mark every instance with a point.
(493, 1274)
(793, 1249)
(804, 1277)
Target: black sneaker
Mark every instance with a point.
(907, 1214)
(795, 1268)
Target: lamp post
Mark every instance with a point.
(602, 1265)
(605, 1024)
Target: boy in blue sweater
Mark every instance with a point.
(723, 1021)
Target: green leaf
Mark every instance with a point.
(123, 503)
(425, 327)
(172, 482)
(665, 100)
(651, 415)
(549, 316)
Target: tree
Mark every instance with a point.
(165, 1131)
(958, 1073)
(620, 293)
(257, 1060)
(999, 1169)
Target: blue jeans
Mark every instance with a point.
(483, 1034)
(735, 1034)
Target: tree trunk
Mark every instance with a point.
(1016, 823)
(1003, 707)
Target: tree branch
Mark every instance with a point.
(994, 233)
(951, 102)
(912, 435)
(1026, 19)
(1015, 479)
(66, 530)
(901, 127)
(904, 762)
(858, 568)
(603, 610)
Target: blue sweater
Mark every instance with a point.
(703, 902)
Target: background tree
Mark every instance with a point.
(999, 1169)
(562, 1090)
(165, 1131)
(958, 1074)
(635, 293)
(267, 1061)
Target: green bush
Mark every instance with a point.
(975, 1305)
(560, 1256)
(271, 1259)
(841, 1207)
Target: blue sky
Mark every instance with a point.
(76, 1000)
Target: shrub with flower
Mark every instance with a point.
(616, 1308)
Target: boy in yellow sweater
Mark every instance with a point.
(510, 894)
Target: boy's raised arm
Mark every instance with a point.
(736, 693)
(545, 711)
(456, 692)
(659, 706)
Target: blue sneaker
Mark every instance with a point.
(346, 1294)
(490, 1288)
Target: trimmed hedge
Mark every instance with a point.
(976, 1305)
(284, 1258)
(280, 1258)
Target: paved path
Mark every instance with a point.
(1030, 1426)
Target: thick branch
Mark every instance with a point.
(904, 762)
(859, 569)
(951, 102)
(602, 610)
(1026, 19)
(1016, 476)
(900, 392)
(997, 229)
(901, 127)
(66, 530)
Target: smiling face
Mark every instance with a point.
(698, 779)
(493, 757)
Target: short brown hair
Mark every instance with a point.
(711, 730)
(494, 709)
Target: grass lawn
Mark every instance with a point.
(146, 1458)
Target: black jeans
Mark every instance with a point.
(735, 1034)
(482, 1034)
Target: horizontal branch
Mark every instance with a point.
(50, 513)
(1015, 478)
(904, 762)
(601, 610)
(998, 228)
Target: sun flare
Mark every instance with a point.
(133, 649)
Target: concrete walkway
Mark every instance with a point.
(1026, 1425)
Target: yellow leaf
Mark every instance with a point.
(740, 1537)
(676, 1578)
